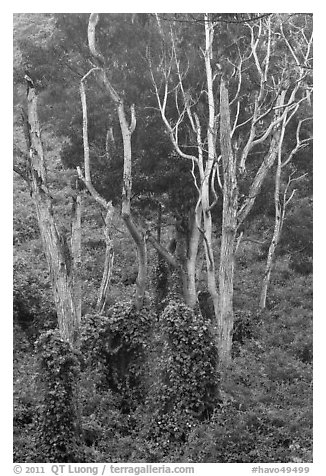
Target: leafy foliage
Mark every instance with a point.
(184, 387)
(58, 426)
(116, 346)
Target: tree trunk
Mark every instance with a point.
(57, 252)
(186, 252)
(108, 265)
(76, 252)
(206, 174)
(229, 227)
(276, 234)
(232, 217)
(191, 297)
(269, 265)
(136, 233)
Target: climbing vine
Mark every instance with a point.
(185, 382)
(116, 346)
(59, 434)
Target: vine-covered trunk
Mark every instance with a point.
(57, 252)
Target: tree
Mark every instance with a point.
(138, 232)
(253, 63)
(127, 130)
(63, 261)
(280, 206)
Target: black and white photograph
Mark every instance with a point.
(162, 241)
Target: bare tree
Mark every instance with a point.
(139, 234)
(235, 129)
(127, 128)
(109, 251)
(202, 223)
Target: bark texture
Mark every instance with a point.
(58, 254)
(229, 228)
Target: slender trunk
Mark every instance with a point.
(205, 177)
(108, 265)
(280, 209)
(269, 266)
(229, 227)
(191, 297)
(276, 236)
(141, 281)
(57, 252)
(76, 252)
(159, 223)
(136, 233)
(208, 247)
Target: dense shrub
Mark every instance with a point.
(184, 381)
(116, 346)
(149, 388)
(59, 431)
(258, 434)
(25, 400)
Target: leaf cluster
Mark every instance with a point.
(116, 346)
(58, 424)
(185, 382)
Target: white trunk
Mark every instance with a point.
(192, 252)
(229, 227)
(269, 265)
(108, 265)
(276, 235)
(186, 254)
(76, 252)
(57, 252)
(205, 177)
